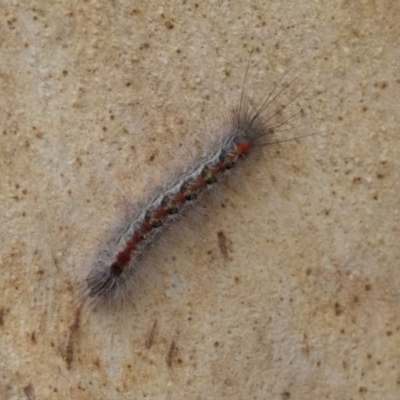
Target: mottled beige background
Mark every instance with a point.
(96, 96)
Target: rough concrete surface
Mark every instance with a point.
(289, 289)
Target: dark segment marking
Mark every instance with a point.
(188, 191)
(226, 160)
(169, 205)
(209, 175)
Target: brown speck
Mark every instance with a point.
(1, 316)
(380, 176)
(150, 337)
(65, 72)
(367, 287)
(29, 392)
(222, 244)
(69, 350)
(169, 24)
(389, 333)
(33, 337)
(338, 309)
(356, 180)
(285, 395)
(144, 46)
(171, 353)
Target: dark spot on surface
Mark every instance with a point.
(29, 392)
(1, 316)
(338, 309)
(171, 353)
(150, 337)
(368, 287)
(357, 180)
(222, 244)
(169, 24)
(65, 72)
(73, 329)
(152, 157)
(144, 46)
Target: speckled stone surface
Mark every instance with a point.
(97, 99)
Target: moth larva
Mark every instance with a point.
(112, 273)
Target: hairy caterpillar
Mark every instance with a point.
(112, 273)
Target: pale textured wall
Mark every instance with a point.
(94, 95)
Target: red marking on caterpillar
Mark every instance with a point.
(112, 274)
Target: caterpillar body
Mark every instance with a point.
(111, 275)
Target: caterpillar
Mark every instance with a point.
(112, 273)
